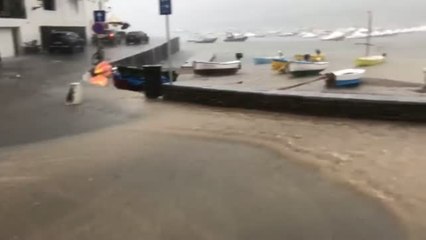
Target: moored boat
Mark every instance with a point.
(369, 61)
(344, 78)
(216, 68)
(304, 68)
(235, 38)
(204, 40)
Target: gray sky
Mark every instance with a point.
(214, 15)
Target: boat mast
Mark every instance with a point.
(370, 30)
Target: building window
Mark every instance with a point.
(49, 5)
(12, 9)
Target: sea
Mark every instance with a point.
(405, 62)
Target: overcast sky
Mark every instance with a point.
(253, 15)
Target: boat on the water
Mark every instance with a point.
(334, 36)
(216, 68)
(344, 78)
(204, 40)
(304, 68)
(235, 38)
(369, 60)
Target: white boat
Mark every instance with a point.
(303, 68)
(287, 34)
(204, 40)
(250, 34)
(334, 36)
(344, 78)
(308, 35)
(216, 68)
(232, 37)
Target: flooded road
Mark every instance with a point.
(129, 182)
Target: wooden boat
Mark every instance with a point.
(344, 78)
(216, 68)
(204, 40)
(304, 68)
(235, 38)
(369, 60)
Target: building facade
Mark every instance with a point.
(27, 20)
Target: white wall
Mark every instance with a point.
(67, 13)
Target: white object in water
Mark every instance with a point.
(75, 94)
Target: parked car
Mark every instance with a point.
(136, 37)
(69, 41)
(110, 37)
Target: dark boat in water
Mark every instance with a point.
(216, 68)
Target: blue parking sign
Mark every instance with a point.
(99, 15)
(165, 7)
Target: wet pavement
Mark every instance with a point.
(33, 90)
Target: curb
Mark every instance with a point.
(340, 105)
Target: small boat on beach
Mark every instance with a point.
(204, 40)
(235, 38)
(304, 68)
(344, 78)
(216, 68)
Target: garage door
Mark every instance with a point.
(7, 48)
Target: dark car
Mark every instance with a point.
(66, 41)
(110, 37)
(137, 37)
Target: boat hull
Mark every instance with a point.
(236, 39)
(299, 69)
(344, 78)
(207, 40)
(216, 69)
(368, 61)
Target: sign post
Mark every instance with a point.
(166, 9)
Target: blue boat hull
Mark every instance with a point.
(347, 83)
